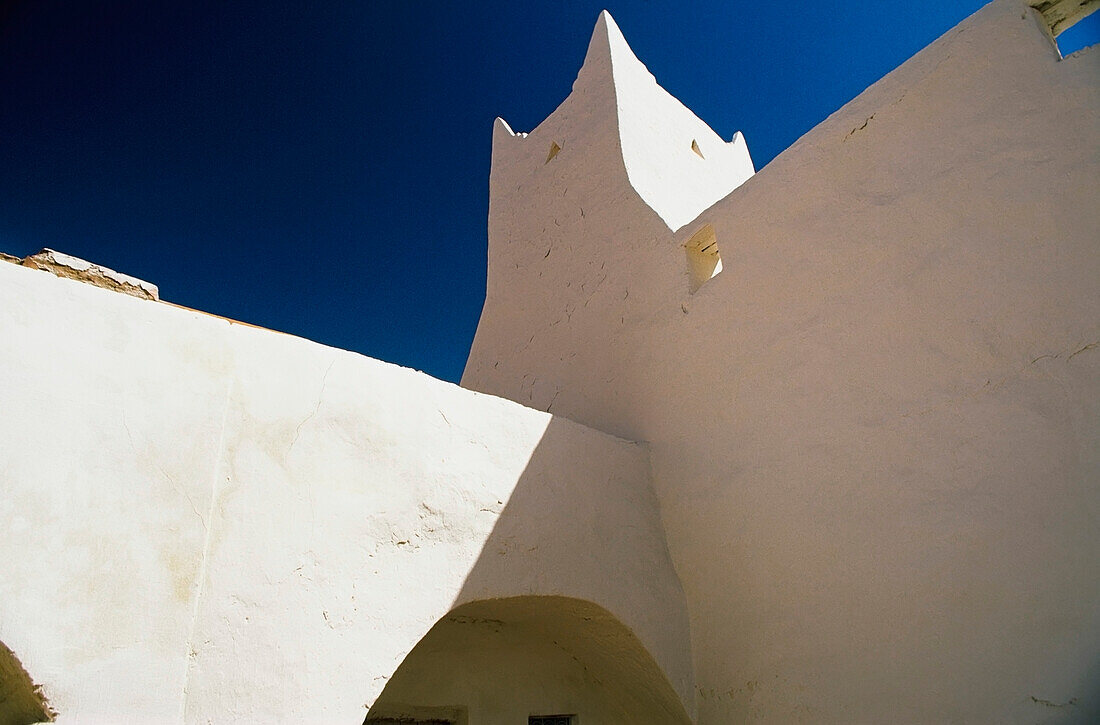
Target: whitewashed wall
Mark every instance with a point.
(210, 522)
(876, 434)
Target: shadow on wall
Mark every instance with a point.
(505, 660)
(21, 702)
(554, 618)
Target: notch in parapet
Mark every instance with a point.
(703, 258)
(502, 133)
(502, 130)
(64, 265)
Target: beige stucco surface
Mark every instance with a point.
(875, 435)
(210, 522)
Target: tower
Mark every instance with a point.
(580, 218)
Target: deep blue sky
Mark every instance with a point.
(322, 168)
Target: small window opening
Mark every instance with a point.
(554, 149)
(550, 720)
(695, 148)
(704, 261)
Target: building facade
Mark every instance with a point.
(815, 444)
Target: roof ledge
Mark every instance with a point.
(64, 265)
(1061, 14)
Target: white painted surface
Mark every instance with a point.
(207, 521)
(656, 133)
(876, 434)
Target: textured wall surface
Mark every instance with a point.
(875, 434)
(206, 521)
(871, 443)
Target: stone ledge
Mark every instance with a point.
(64, 265)
(1061, 14)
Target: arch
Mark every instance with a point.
(506, 660)
(21, 701)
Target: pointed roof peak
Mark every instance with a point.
(608, 52)
(607, 38)
(606, 24)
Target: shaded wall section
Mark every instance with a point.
(590, 530)
(210, 521)
(875, 434)
(503, 660)
(893, 432)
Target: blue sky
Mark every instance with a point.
(322, 168)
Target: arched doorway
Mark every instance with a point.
(532, 659)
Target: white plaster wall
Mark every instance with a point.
(875, 434)
(110, 431)
(207, 521)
